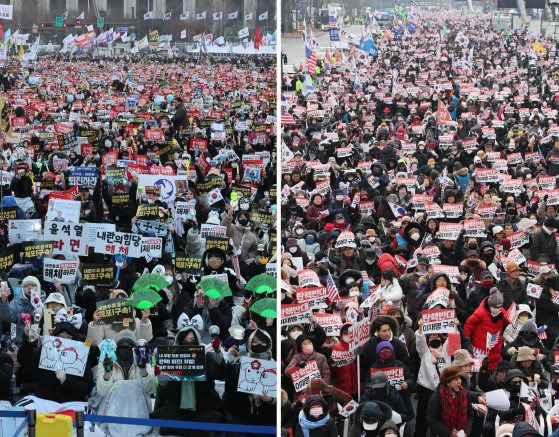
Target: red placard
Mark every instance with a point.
(198, 144)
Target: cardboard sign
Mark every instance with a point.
(295, 313)
(190, 265)
(59, 353)
(258, 377)
(451, 271)
(342, 358)
(518, 239)
(346, 238)
(359, 334)
(487, 175)
(316, 297)
(188, 363)
(37, 249)
(97, 274)
(301, 376)
(474, 228)
(395, 375)
(152, 246)
(331, 323)
(208, 230)
(221, 243)
(68, 237)
(148, 212)
(24, 230)
(64, 271)
(438, 321)
(450, 231)
(112, 243)
(114, 310)
(83, 176)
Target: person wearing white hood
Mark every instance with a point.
(511, 331)
(11, 311)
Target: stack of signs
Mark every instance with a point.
(62, 210)
(186, 363)
(395, 375)
(191, 265)
(97, 274)
(114, 311)
(331, 323)
(258, 377)
(315, 297)
(68, 237)
(438, 321)
(295, 313)
(450, 231)
(63, 270)
(59, 353)
(301, 376)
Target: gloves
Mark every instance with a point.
(511, 351)
(60, 375)
(108, 365)
(301, 364)
(143, 354)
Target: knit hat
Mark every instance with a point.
(127, 337)
(525, 353)
(505, 243)
(31, 280)
(449, 374)
(384, 344)
(462, 358)
(495, 298)
(328, 227)
(300, 341)
(550, 222)
(512, 267)
(430, 161)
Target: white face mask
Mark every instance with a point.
(494, 311)
(169, 279)
(414, 237)
(316, 411)
(390, 434)
(295, 334)
(293, 249)
(244, 206)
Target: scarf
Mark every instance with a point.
(454, 408)
(188, 396)
(307, 424)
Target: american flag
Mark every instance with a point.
(286, 117)
(310, 56)
(492, 340)
(331, 289)
(541, 332)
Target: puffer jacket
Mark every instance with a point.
(247, 238)
(345, 376)
(512, 330)
(428, 375)
(543, 245)
(392, 293)
(103, 387)
(11, 312)
(98, 333)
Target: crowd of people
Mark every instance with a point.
(419, 222)
(139, 223)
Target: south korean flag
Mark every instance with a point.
(214, 196)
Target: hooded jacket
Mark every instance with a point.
(527, 336)
(346, 375)
(327, 430)
(357, 430)
(429, 371)
(320, 359)
(392, 399)
(435, 417)
(511, 332)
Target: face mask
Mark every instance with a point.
(244, 206)
(515, 387)
(472, 246)
(414, 237)
(339, 197)
(169, 279)
(307, 350)
(345, 338)
(390, 434)
(295, 334)
(385, 354)
(435, 343)
(472, 263)
(316, 411)
(124, 353)
(243, 222)
(494, 311)
(422, 272)
(523, 318)
(259, 348)
(487, 283)
(299, 232)
(293, 249)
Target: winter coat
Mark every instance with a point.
(345, 376)
(393, 399)
(321, 362)
(327, 430)
(546, 314)
(11, 312)
(247, 237)
(552, 159)
(527, 336)
(435, 419)
(392, 293)
(98, 333)
(428, 375)
(513, 291)
(221, 315)
(104, 387)
(511, 331)
(543, 244)
(357, 430)
(6, 373)
(479, 324)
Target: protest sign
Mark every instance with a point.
(112, 243)
(308, 278)
(315, 296)
(358, 334)
(63, 270)
(24, 230)
(301, 376)
(37, 249)
(68, 238)
(221, 243)
(83, 176)
(331, 323)
(258, 377)
(449, 231)
(59, 353)
(114, 310)
(438, 321)
(62, 210)
(295, 313)
(439, 296)
(101, 274)
(395, 375)
(191, 265)
(6, 259)
(187, 363)
(474, 228)
(341, 358)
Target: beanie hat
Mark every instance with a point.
(31, 280)
(550, 222)
(126, 336)
(384, 344)
(495, 298)
(505, 243)
(449, 374)
(300, 341)
(512, 267)
(328, 227)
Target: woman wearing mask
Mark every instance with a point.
(313, 330)
(306, 352)
(345, 375)
(308, 244)
(317, 212)
(239, 230)
(314, 419)
(511, 332)
(389, 289)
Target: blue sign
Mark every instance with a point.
(83, 176)
(122, 29)
(334, 34)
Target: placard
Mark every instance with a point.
(8, 214)
(191, 265)
(6, 259)
(83, 176)
(152, 246)
(24, 230)
(295, 313)
(450, 231)
(301, 376)
(97, 274)
(62, 210)
(63, 270)
(359, 334)
(341, 358)
(315, 296)
(331, 323)
(188, 363)
(221, 243)
(395, 375)
(474, 228)
(209, 230)
(37, 249)
(114, 310)
(59, 353)
(438, 321)
(67, 238)
(258, 377)
(308, 278)
(148, 212)
(112, 243)
(453, 210)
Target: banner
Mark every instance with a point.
(438, 321)
(221, 243)
(315, 297)
(63, 270)
(167, 184)
(358, 334)
(83, 176)
(6, 259)
(331, 323)
(342, 358)
(97, 274)
(301, 376)
(112, 243)
(474, 228)
(188, 363)
(453, 210)
(114, 310)
(152, 246)
(59, 353)
(295, 313)
(68, 238)
(449, 231)
(258, 377)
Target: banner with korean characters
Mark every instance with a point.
(308, 278)
(535, 267)
(438, 321)
(331, 323)
(474, 228)
(547, 182)
(68, 237)
(451, 271)
(114, 310)
(112, 243)
(453, 210)
(450, 231)
(487, 175)
(191, 265)
(552, 197)
(418, 201)
(6, 260)
(221, 243)
(433, 210)
(439, 296)
(301, 376)
(519, 239)
(63, 270)
(358, 334)
(209, 230)
(295, 313)
(83, 176)
(102, 274)
(432, 252)
(395, 375)
(513, 186)
(342, 358)
(315, 297)
(36, 249)
(152, 247)
(486, 212)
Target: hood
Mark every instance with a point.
(126, 336)
(182, 333)
(217, 251)
(523, 308)
(313, 399)
(387, 425)
(387, 261)
(263, 333)
(8, 201)
(384, 408)
(485, 245)
(514, 373)
(529, 326)
(378, 321)
(522, 429)
(347, 324)
(434, 278)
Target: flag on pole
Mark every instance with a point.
(249, 16)
(203, 47)
(263, 16)
(201, 16)
(214, 195)
(185, 16)
(233, 15)
(310, 56)
(308, 86)
(443, 116)
(327, 59)
(462, 39)
(332, 294)
(65, 16)
(286, 117)
(20, 52)
(167, 16)
(368, 45)
(183, 34)
(81, 16)
(243, 33)
(258, 38)
(397, 210)
(150, 15)
(217, 16)
(492, 340)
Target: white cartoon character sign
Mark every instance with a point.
(63, 354)
(257, 377)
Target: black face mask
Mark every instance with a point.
(473, 263)
(379, 392)
(515, 388)
(243, 222)
(472, 246)
(124, 353)
(435, 343)
(259, 348)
